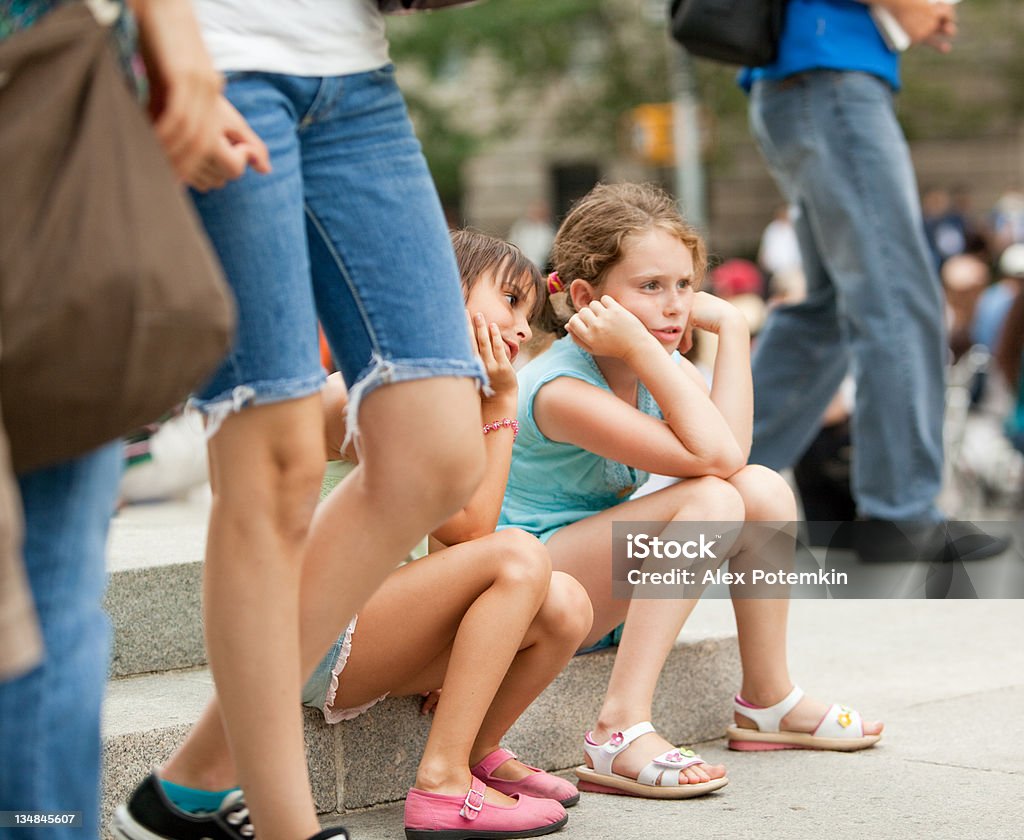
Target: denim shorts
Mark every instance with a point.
(321, 688)
(347, 228)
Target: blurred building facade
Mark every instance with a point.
(964, 114)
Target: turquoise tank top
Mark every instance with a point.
(553, 484)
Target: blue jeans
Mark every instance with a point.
(348, 228)
(874, 303)
(50, 717)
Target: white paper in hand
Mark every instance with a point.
(894, 35)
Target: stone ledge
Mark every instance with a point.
(372, 759)
(153, 598)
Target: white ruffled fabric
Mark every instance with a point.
(332, 715)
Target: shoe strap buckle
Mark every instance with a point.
(469, 808)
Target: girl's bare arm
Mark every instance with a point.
(480, 515)
(694, 438)
(732, 389)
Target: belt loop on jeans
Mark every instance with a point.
(793, 81)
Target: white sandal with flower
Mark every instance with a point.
(841, 729)
(662, 778)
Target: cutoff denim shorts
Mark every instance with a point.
(347, 228)
(321, 688)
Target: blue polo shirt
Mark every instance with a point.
(828, 35)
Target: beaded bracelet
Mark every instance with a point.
(504, 423)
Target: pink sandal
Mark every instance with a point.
(438, 816)
(539, 784)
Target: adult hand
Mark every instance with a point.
(207, 141)
(185, 87)
(925, 22)
(606, 328)
(490, 347)
(238, 148)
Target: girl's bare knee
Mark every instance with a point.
(717, 500)
(279, 488)
(298, 487)
(522, 561)
(767, 496)
(436, 473)
(566, 612)
(424, 437)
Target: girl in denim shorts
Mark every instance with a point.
(481, 616)
(347, 228)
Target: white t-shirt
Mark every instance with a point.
(296, 37)
(780, 249)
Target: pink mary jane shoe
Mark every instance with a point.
(538, 783)
(437, 816)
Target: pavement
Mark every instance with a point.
(946, 677)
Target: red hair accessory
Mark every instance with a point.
(555, 284)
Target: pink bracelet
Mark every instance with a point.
(504, 423)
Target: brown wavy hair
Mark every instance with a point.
(591, 239)
(478, 254)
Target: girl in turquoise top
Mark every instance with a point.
(613, 401)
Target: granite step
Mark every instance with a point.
(154, 561)
(372, 760)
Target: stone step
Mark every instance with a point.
(372, 759)
(154, 559)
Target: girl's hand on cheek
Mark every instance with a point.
(686, 342)
(606, 328)
(712, 313)
(491, 349)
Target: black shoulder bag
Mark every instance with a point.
(734, 31)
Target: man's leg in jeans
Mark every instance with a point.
(864, 209)
(799, 362)
(854, 179)
(800, 357)
(50, 717)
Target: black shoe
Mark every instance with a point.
(150, 815)
(833, 534)
(338, 833)
(886, 541)
(966, 541)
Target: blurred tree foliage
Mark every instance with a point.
(603, 56)
(606, 56)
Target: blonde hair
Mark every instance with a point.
(591, 239)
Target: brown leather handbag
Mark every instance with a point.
(112, 304)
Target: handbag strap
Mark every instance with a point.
(404, 7)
